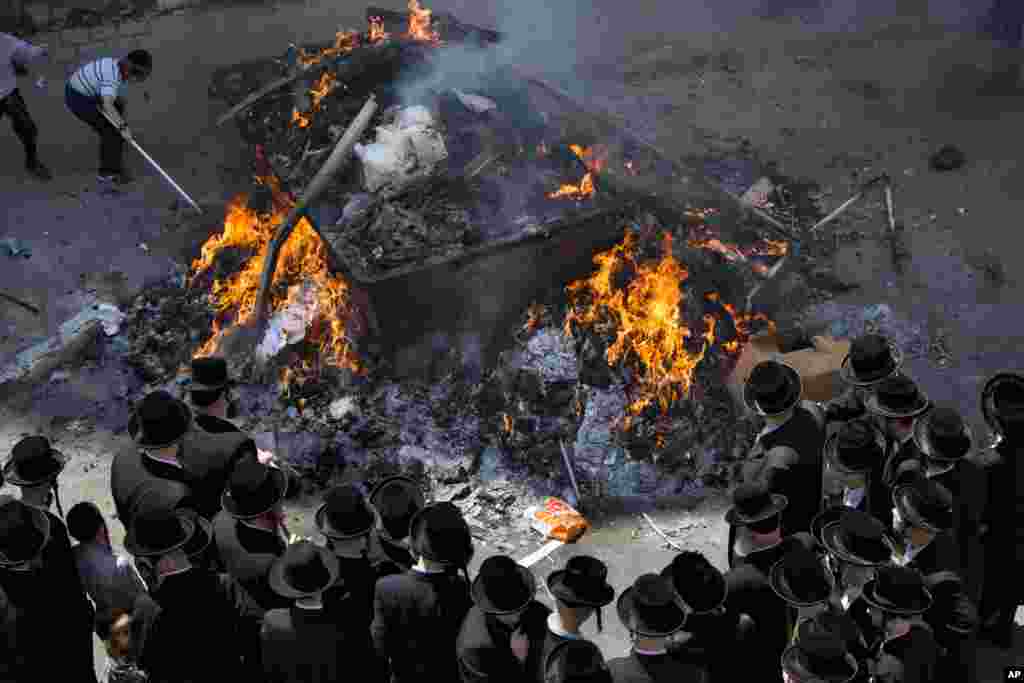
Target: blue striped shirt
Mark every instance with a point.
(101, 78)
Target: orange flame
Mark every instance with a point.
(323, 86)
(419, 24)
(536, 313)
(645, 317)
(376, 31)
(583, 190)
(303, 259)
(743, 323)
(595, 159)
(344, 42)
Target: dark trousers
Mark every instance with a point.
(24, 127)
(87, 109)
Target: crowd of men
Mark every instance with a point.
(873, 538)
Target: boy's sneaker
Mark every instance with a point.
(37, 169)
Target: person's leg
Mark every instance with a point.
(27, 131)
(111, 143)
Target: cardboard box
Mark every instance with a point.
(818, 367)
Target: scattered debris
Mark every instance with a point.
(668, 541)
(948, 158)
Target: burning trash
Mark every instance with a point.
(405, 150)
(595, 159)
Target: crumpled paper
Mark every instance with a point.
(289, 324)
(110, 318)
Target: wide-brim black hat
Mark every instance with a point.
(783, 395)
(850, 460)
(33, 462)
(890, 406)
(583, 581)
(994, 414)
(879, 364)
(145, 539)
(873, 551)
(801, 580)
(303, 562)
(439, 533)
(939, 447)
(200, 542)
(827, 516)
(759, 507)
(920, 512)
(646, 609)
(838, 666)
(159, 421)
(576, 661)
(397, 499)
(209, 374)
(251, 494)
(345, 514)
(911, 600)
(703, 590)
(24, 531)
(505, 587)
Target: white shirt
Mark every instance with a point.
(14, 51)
(555, 626)
(101, 78)
(110, 579)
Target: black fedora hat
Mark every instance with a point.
(827, 516)
(33, 461)
(897, 397)
(856, 447)
(955, 614)
(872, 358)
(942, 435)
(209, 374)
(752, 503)
(820, 657)
(772, 388)
(801, 579)
(203, 537)
(502, 586)
(253, 489)
(839, 624)
(898, 590)
(1002, 401)
(576, 661)
(925, 504)
(304, 570)
(651, 608)
(858, 539)
(159, 421)
(697, 582)
(345, 514)
(24, 531)
(584, 581)
(397, 500)
(158, 530)
(440, 533)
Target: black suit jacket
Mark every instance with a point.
(305, 646)
(484, 649)
(637, 668)
(215, 425)
(247, 554)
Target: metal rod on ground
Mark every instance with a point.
(849, 202)
(334, 162)
(572, 475)
(671, 543)
(16, 300)
(889, 205)
(162, 172)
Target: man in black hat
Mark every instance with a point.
(204, 619)
(167, 448)
(417, 614)
(210, 394)
(34, 466)
(303, 643)
(576, 661)
(1002, 403)
(895, 404)
(872, 359)
(39, 576)
(854, 458)
(923, 523)
(249, 530)
(109, 578)
(819, 657)
(652, 612)
(396, 500)
(803, 582)
(712, 630)
(502, 636)
(840, 625)
(787, 452)
(580, 591)
(857, 545)
(953, 618)
(896, 601)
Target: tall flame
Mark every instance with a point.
(645, 317)
(419, 24)
(323, 86)
(595, 159)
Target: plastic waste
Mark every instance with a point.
(557, 520)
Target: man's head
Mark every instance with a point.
(211, 387)
(86, 523)
(136, 66)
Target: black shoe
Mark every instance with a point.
(37, 169)
(122, 178)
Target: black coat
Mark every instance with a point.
(637, 668)
(484, 651)
(208, 460)
(215, 425)
(53, 614)
(10, 658)
(549, 642)
(713, 645)
(247, 554)
(304, 646)
(351, 601)
(416, 621)
(941, 555)
(909, 659)
(202, 630)
(1003, 524)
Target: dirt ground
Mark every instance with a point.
(882, 95)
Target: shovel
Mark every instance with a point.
(162, 172)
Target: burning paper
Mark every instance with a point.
(288, 326)
(408, 149)
(595, 159)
